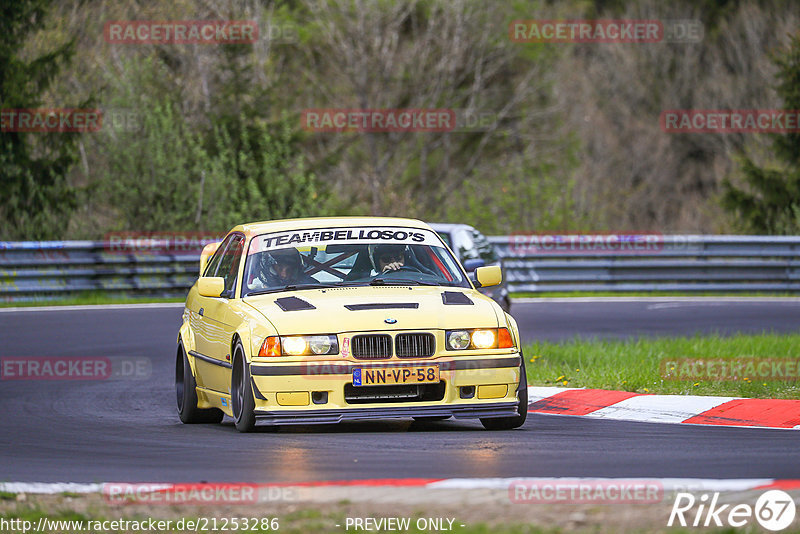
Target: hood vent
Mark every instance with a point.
(294, 304)
(382, 306)
(455, 298)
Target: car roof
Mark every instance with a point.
(262, 227)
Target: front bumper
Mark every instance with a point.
(315, 391)
(305, 417)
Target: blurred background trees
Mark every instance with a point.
(203, 136)
(769, 202)
(36, 197)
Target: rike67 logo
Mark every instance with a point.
(774, 510)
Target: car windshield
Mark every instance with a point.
(334, 257)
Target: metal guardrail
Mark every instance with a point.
(55, 269)
(671, 263)
(532, 263)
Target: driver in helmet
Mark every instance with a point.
(281, 268)
(388, 257)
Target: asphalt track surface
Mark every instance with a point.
(127, 430)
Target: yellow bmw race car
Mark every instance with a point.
(307, 321)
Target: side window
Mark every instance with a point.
(213, 263)
(229, 263)
(484, 247)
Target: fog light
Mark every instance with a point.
(495, 391)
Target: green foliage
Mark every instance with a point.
(524, 194)
(219, 140)
(170, 176)
(154, 177)
(35, 197)
(260, 175)
(770, 201)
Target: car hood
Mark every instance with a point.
(360, 309)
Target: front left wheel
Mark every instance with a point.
(242, 393)
(186, 390)
(515, 421)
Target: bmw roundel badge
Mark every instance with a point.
(389, 320)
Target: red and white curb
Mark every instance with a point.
(695, 410)
(668, 484)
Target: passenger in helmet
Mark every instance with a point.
(388, 257)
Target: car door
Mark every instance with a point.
(216, 322)
(202, 335)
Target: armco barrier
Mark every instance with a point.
(54, 269)
(674, 263)
(679, 263)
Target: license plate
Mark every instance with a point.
(423, 374)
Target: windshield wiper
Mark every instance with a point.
(290, 287)
(397, 282)
(293, 287)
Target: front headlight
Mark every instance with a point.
(316, 345)
(294, 346)
(479, 338)
(458, 339)
(483, 339)
(322, 344)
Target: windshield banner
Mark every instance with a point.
(354, 235)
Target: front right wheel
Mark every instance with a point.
(186, 390)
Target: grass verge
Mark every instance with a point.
(297, 522)
(92, 298)
(574, 294)
(636, 365)
(488, 513)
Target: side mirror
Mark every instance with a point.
(487, 276)
(210, 286)
(471, 265)
(208, 251)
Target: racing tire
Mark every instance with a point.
(242, 400)
(515, 421)
(186, 390)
